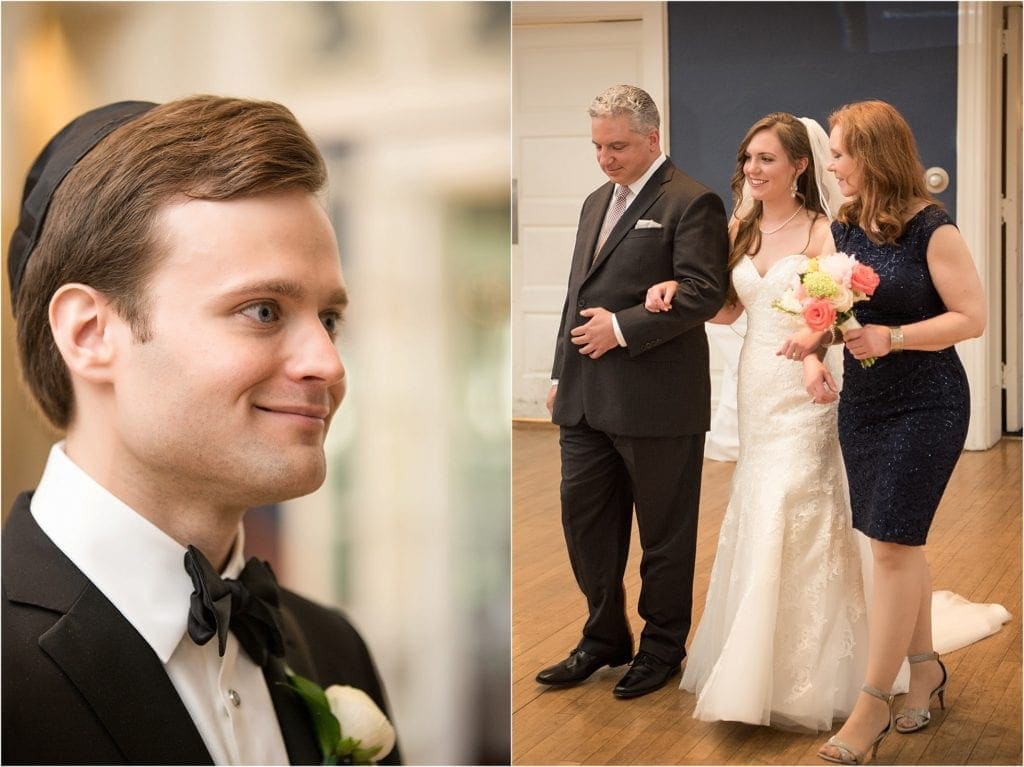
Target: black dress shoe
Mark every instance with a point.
(578, 666)
(645, 675)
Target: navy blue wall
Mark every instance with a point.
(731, 63)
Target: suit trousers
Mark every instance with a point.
(603, 477)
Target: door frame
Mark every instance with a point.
(978, 200)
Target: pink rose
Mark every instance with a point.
(819, 314)
(864, 279)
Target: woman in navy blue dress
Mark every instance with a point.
(902, 421)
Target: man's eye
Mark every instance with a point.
(263, 312)
(332, 323)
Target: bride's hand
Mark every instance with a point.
(819, 381)
(659, 297)
(801, 344)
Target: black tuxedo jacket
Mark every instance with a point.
(81, 686)
(658, 385)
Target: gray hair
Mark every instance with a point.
(627, 100)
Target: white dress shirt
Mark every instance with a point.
(140, 569)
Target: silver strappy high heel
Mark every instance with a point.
(846, 754)
(920, 717)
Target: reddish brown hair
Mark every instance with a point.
(877, 137)
(99, 228)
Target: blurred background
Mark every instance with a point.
(409, 103)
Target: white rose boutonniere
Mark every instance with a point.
(350, 728)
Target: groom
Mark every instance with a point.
(631, 393)
(177, 291)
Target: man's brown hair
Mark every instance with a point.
(99, 227)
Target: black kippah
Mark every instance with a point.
(60, 155)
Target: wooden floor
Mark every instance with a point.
(974, 549)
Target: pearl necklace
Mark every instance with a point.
(784, 223)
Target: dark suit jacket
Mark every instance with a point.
(81, 686)
(658, 385)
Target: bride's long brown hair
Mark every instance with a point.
(792, 134)
(877, 137)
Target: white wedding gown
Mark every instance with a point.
(785, 606)
(783, 637)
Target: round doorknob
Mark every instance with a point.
(936, 179)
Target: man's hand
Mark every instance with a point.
(596, 336)
(550, 403)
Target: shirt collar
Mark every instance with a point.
(136, 565)
(640, 183)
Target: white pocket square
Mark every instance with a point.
(647, 223)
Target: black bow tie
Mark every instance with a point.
(247, 606)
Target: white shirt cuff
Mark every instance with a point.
(618, 331)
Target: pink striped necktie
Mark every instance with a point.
(614, 214)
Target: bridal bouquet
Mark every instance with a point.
(824, 291)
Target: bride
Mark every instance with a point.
(783, 637)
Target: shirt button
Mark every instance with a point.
(235, 698)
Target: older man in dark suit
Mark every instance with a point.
(178, 291)
(631, 393)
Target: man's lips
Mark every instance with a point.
(318, 412)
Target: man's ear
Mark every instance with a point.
(654, 137)
(85, 328)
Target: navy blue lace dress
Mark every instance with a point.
(902, 422)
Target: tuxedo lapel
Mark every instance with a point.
(149, 722)
(94, 645)
(648, 196)
(292, 715)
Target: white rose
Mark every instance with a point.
(843, 299)
(789, 303)
(360, 718)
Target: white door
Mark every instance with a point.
(557, 69)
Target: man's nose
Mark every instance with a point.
(315, 356)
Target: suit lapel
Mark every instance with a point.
(93, 644)
(648, 195)
(292, 715)
(149, 722)
(590, 228)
